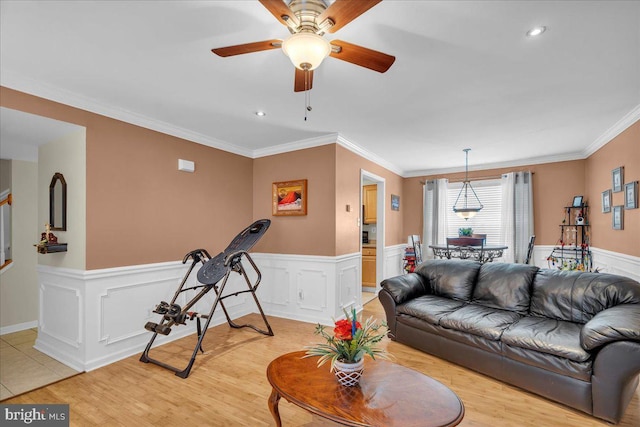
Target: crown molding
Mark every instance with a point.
(14, 81)
(523, 162)
(332, 138)
(355, 148)
(621, 125)
(318, 141)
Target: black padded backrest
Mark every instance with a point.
(577, 297)
(450, 278)
(505, 286)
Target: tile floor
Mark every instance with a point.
(23, 368)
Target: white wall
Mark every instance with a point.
(19, 283)
(68, 156)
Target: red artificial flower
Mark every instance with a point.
(342, 331)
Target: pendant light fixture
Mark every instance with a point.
(466, 210)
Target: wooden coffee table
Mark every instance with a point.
(388, 394)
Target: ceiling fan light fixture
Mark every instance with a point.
(306, 50)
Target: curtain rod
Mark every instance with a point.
(479, 178)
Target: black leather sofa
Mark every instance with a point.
(572, 337)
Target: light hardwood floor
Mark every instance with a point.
(228, 386)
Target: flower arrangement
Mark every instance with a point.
(350, 341)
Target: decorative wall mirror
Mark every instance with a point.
(58, 202)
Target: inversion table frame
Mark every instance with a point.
(210, 274)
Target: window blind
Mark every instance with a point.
(488, 220)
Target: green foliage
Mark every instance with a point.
(364, 342)
(465, 231)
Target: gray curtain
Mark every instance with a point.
(517, 214)
(434, 222)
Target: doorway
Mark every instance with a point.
(372, 226)
(22, 134)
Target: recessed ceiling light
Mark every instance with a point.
(260, 113)
(536, 31)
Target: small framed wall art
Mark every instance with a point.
(577, 202)
(631, 195)
(618, 218)
(289, 198)
(617, 178)
(606, 201)
(395, 202)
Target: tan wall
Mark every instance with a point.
(554, 186)
(623, 150)
(333, 175)
(19, 291)
(140, 209)
(347, 230)
(313, 233)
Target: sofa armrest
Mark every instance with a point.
(405, 287)
(615, 379)
(619, 323)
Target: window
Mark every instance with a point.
(488, 220)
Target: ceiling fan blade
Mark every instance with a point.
(367, 58)
(279, 9)
(342, 12)
(240, 49)
(303, 81)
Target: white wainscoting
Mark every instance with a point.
(89, 319)
(92, 318)
(605, 261)
(393, 256)
(309, 288)
(615, 263)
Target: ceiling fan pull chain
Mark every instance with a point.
(307, 94)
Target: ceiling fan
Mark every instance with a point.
(308, 21)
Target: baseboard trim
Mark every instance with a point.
(18, 327)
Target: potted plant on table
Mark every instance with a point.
(465, 232)
(348, 345)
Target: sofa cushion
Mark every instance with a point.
(550, 336)
(577, 297)
(560, 365)
(450, 278)
(429, 308)
(479, 320)
(505, 286)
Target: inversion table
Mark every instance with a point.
(213, 271)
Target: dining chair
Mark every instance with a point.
(530, 249)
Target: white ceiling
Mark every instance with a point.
(465, 76)
(21, 133)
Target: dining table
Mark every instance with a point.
(484, 253)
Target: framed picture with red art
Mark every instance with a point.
(289, 198)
